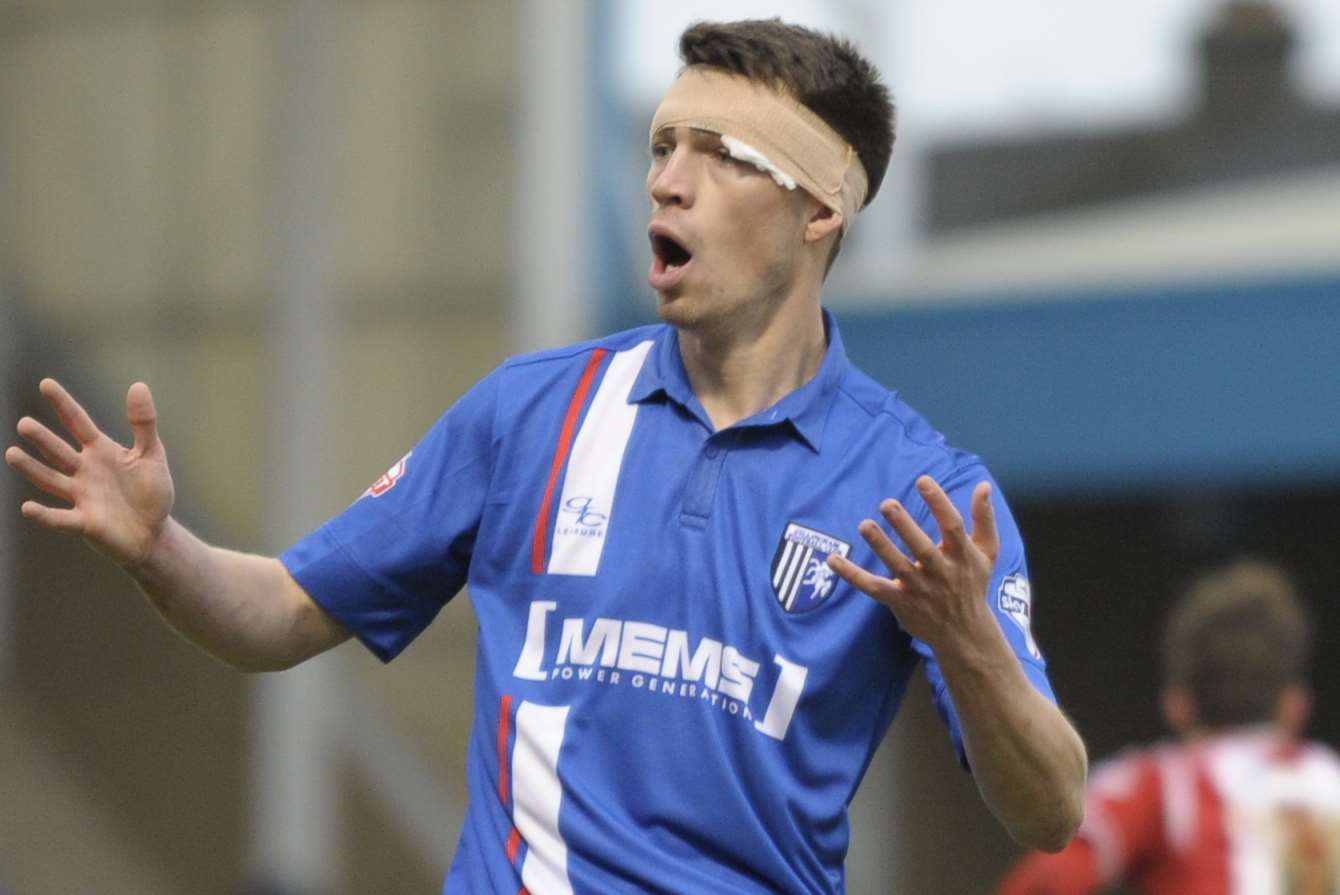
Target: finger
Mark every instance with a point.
(42, 476)
(55, 449)
(883, 589)
(142, 416)
(984, 533)
(952, 532)
(75, 419)
(918, 542)
(68, 521)
(888, 552)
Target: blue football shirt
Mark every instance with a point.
(673, 692)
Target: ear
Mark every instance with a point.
(1293, 709)
(823, 222)
(1179, 710)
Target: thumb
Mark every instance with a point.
(143, 418)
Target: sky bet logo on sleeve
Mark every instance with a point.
(801, 578)
(1016, 601)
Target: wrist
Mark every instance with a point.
(158, 556)
(977, 647)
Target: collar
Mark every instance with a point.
(805, 409)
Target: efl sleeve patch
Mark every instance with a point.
(388, 479)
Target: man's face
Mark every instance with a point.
(725, 238)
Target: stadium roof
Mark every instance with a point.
(1284, 225)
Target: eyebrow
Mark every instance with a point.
(696, 135)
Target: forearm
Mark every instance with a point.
(1027, 760)
(242, 608)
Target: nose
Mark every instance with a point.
(670, 180)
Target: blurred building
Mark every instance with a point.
(1140, 332)
(1249, 121)
(172, 177)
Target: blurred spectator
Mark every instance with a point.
(1239, 803)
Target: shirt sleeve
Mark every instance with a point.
(386, 565)
(1008, 595)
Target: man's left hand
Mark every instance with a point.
(938, 593)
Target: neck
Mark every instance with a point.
(741, 367)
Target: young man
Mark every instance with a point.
(1239, 803)
(682, 675)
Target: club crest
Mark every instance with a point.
(801, 579)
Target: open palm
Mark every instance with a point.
(119, 498)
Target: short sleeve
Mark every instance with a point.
(1008, 594)
(386, 565)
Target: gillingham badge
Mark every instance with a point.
(801, 579)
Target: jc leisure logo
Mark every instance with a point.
(581, 517)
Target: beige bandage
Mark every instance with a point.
(782, 130)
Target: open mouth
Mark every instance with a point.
(669, 259)
(668, 252)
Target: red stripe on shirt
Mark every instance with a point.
(1211, 852)
(513, 845)
(504, 720)
(504, 733)
(560, 457)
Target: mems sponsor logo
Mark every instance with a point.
(644, 656)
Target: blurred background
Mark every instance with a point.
(1106, 258)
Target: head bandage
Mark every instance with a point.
(770, 130)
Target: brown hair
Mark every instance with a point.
(1235, 640)
(824, 72)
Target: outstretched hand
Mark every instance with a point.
(939, 592)
(119, 497)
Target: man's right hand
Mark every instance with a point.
(119, 497)
(245, 609)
